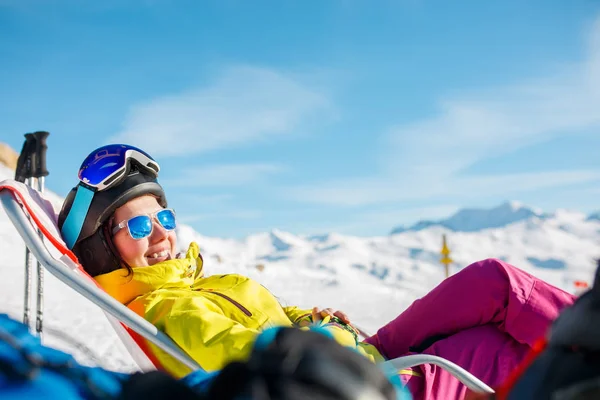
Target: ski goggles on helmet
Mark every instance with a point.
(104, 168)
(108, 165)
(141, 226)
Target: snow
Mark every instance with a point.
(371, 279)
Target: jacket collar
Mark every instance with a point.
(178, 273)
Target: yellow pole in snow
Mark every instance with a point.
(446, 260)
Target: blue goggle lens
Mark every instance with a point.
(108, 163)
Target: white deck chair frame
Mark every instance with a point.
(65, 269)
(68, 272)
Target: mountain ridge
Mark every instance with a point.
(476, 219)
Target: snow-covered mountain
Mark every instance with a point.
(594, 216)
(477, 219)
(559, 246)
(372, 279)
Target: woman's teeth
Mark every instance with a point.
(163, 253)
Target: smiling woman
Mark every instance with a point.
(117, 223)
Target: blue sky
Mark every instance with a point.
(346, 116)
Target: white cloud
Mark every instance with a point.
(225, 175)
(371, 222)
(244, 105)
(409, 214)
(205, 200)
(495, 122)
(238, 214)
(354, 192)
(425, 159)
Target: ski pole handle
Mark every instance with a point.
(23, 170)
(20, 169)
(30, 161)
(40, 154)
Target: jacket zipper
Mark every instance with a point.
(232, 301)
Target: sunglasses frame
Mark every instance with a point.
(153, 216)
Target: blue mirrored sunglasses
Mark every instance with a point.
(141, 226)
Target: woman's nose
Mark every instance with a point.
(158, 231)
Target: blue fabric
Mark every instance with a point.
(29, 370)
(199, 380)
(402, 392)
(266, 337)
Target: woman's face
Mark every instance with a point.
(159, 246)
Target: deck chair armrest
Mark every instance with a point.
(464, 376)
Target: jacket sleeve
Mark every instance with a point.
(201, 329)
(298, 315)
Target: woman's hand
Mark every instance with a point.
(318, 315)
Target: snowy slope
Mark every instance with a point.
(372, 279)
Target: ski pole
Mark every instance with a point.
(23, 173)
(40, 173)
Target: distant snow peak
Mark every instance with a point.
(477, 219)
(278, 240)
(318, 238)
(513, 205)
(594, 217)
(284, 241)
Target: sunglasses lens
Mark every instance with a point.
(140, 226)
(167, 219)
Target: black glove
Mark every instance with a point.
(300, 365)
(156, 385)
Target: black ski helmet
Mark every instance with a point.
(94, 247)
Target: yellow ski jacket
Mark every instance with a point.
(215, 319)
